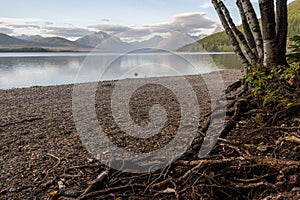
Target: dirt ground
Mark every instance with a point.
(41, 149)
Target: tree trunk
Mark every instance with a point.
(247, 29)
(254, 24)
(265, 46)
(239, 34)
(269, 33)
(236, 47)
(281, 30)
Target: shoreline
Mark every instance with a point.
(108, 81)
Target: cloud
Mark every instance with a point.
(67, 32)
(192, 22)
(6, 30)
(112, 29)
(19, 20)
(206, 5)
(135, 33)
(105, 20)
(12, 25)
(49, 23)
(29, 26)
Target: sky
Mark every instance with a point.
(129, 19)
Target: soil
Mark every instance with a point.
(41, 153)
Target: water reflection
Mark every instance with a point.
(42, 69)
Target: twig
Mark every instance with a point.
(160, 175)
(290, 139)
(109, 190)
(57, 158)
(245, 154)
(253, 185)
(160, 184)
(197, 162)
(86, 166)
(253, 179)
(46, 185)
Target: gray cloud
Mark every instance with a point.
(112, 29)
(29, 26)
(105, 20)
(135, 33)
(67, 32)
(6, 30)
(122, 31)
(49, 23)
(186, 22)
(193, 22)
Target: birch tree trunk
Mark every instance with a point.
(239, 34)
(247, 29)
(236, 47)
(269, 33)
(254, 25)
(264, 46)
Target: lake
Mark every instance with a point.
(18, 70)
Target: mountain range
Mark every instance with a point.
(100, 41)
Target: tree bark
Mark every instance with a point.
(281, 30)
(254, 24)
(269, 33)
(239, 34)
(236, 47)
(247, 30)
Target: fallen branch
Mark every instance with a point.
(97, 183)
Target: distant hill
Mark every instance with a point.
(104, 42)
(55, 42)
(38, 43)
(176, 40)
(173, 42)
(219, 42)
(152, 42)
(6, 40)
(94, 39)
(26, 37)
(98, 41)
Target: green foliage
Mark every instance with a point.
(294, 18)
(217, 42)
(24, 49)
(275, 88)
(294, 56)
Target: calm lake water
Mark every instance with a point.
(19, 70)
